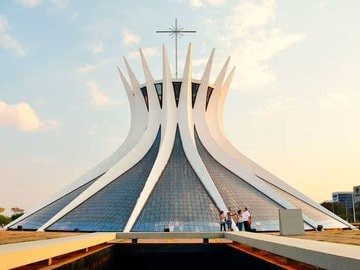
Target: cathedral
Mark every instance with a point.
(176, 169)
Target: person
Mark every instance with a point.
(240, 220)
(247, 219)
(222, 220)
(229, 215)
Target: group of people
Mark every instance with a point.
(241, 219)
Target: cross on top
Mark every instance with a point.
(176, 32)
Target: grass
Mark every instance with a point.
(350, 237)
(9, 237)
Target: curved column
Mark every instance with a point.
(212, 110)
(215, 111)
(202, 125)
(168, 131)
(186, 128)
(136, 125)
(134, 156)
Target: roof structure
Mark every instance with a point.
(176, 169)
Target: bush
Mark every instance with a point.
(4, 220)
(15, 216)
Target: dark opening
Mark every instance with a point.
(208, 95)
(177, 88)
(145, 95)
(194, 90)
(159, 91)
(185, 256)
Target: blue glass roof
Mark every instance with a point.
(110, 208)
(179, 201)
(238, 194)
(40, 217)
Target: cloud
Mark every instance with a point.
(254, 76)
(274, 106)
(201, 3)
(41, 160)
(332, 99)
(98, 48)
(130, 38)
(87, 68)
(266, 44)
(148, 52)
(251, 14)
(23, 117)
(248, 36)
(199, 61)
(60, 4)
(98, 98)
(254, 53)
(29, 3)
(7, 41)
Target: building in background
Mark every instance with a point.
(356, 194)
(343, 197)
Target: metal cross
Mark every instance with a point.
(175, 32)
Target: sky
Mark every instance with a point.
(293, 107)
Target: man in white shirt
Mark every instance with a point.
(247, 220)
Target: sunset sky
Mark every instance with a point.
(294, 105)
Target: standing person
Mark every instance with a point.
(240, 220)
(229, 215)
(247, 220)
(222, 220)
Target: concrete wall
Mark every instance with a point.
(291, 222)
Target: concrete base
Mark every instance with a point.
(291, 222)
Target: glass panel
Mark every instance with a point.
(308, 210)
(159, 90)
(194, 90)
(179, 201)
(238, 194)
(110, 208)
(208, 95)
(40, 217)
(177, 88)
(145, 95)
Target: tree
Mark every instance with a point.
(357, 211)
(4, 220)
(17, 212)
(338, 209)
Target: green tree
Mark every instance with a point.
(357, 211)
(17, 212)
(4, 220)
(2, 209)
(339, 209)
